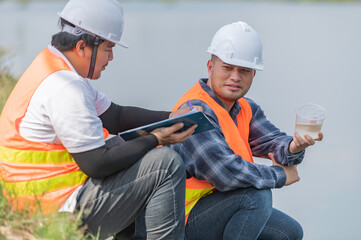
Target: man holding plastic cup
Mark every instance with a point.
(228, 195)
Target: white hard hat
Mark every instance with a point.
(103, 18)
(238, 44)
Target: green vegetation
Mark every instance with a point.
(7, 81)
(22, 225)
(19, 225)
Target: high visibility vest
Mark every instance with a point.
(34, 173)
(235, 135)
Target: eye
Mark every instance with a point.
(226, 67)
(109, 48)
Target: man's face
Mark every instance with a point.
(229, 82)
(104, 55)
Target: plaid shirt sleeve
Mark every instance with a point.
(264, 138)
(207, 155)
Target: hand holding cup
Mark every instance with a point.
(309, 120)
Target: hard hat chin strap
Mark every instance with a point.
(93, 57)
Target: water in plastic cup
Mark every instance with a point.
(309, 119)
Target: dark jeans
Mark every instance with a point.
(240, 214)
(153, 186)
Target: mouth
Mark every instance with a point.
(233, 87)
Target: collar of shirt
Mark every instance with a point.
(236, 107)
(57, 53)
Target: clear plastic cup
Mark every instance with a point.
(309, 119)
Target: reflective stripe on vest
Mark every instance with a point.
(34, 172)
(235, 135)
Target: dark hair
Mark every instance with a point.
(214, 58)
(64, 41)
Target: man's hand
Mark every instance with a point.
(291, 171)
(185, 110)
(299, 143)
(167, 135)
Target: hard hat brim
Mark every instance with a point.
(121, 43)
(237, 62)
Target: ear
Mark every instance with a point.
(80, 48)
(254, 74)
(209, 67)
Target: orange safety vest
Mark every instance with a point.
(236, 136)
(33, 173)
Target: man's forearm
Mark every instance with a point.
(120, 118)
(106, 160)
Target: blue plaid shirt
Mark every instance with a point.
(207, 155)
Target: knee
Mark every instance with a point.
(171, 156)
(295, 232)
(299, 233)
(169, 159)
(284, 227)
(290, 231)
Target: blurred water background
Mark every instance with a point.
(311, 54)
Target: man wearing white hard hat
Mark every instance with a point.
(53, 128)
(228, 196)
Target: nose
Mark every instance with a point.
(110, 56)
(235, 75)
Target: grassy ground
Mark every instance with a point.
(18, 225)
(58, 226)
